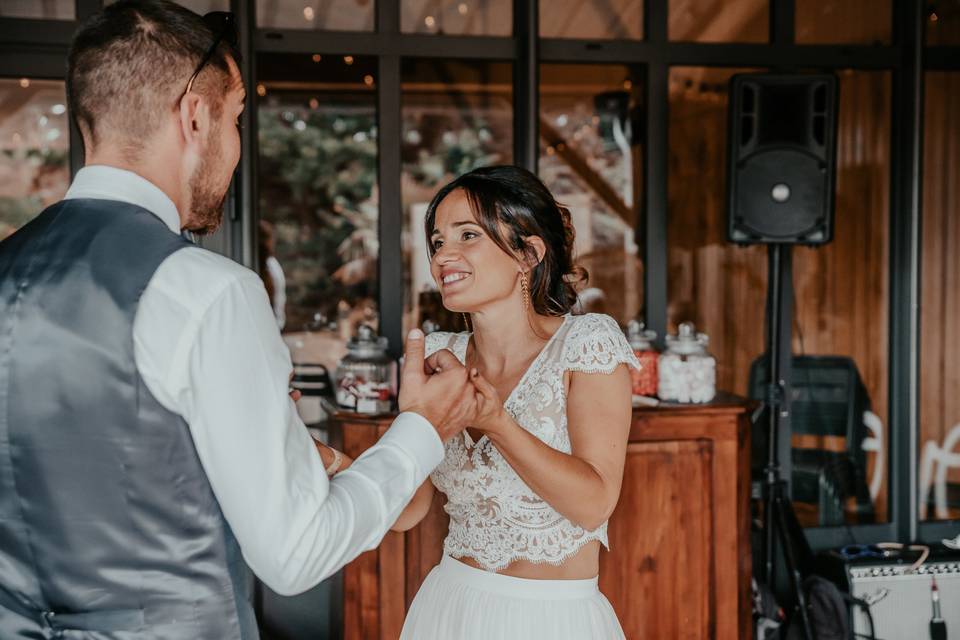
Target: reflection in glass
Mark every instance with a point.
(317, 180)
(719, 20)
(612, 20)
(841, 290)
(939, 441)
(34, 149)
(47, 10)
(943, 23)
(843, 21)
(456, 116)
(591, 160)
(457, 17)
(322, 15)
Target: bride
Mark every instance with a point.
(531, 485)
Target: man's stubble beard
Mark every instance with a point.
(206, 198)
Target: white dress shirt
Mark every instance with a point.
(207, 346)
(275, 273)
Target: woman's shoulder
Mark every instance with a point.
(594, 343)
(444, 340)
(592, 328)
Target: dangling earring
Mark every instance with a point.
(525, 290)
(466, 322)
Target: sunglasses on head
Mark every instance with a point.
(223, 24)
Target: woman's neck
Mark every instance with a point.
(506, 334)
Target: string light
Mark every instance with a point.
(463, 8)
(261, 90)
(368, 80)
(348, 59)
(308, 14)
(429, 21)
(25, 83)
(317, 57)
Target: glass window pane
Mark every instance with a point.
(48, 10)
(457, 116)
(841, 289)
(34, 149)
(943, 23)
(939, 442)
(615, 19)
(317, 180)
(322, 15)
(719, 20)
(590, 158)
(457, 17)
(843, 21)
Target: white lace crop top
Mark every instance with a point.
(495, 518)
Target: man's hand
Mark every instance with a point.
(439, 390)
(491, 416)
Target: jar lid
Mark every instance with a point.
(639, 336)
(687, 341)
(366, 343)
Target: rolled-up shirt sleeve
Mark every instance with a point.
(294, 526)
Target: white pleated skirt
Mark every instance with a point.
(460, 602)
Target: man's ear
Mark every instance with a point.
(194, 118)
(539, 248)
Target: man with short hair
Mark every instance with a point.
(147, 441)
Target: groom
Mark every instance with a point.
(147, 442)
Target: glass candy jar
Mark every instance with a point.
(687, 372)
(365, 375)
(641, 341)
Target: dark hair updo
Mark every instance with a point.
(516, 199)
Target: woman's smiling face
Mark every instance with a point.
(468, 266)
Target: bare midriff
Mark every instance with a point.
(583, 565)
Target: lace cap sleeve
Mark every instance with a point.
(595, 344)
(439, 340)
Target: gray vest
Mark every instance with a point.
(108, 526)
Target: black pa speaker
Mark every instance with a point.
(781, 158)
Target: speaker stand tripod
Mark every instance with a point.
(780, 526)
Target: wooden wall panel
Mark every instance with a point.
(718, 286)
(841, 289)
(940, 261)
(844, 21)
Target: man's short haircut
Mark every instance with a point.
(129, 66)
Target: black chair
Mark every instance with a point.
(828, 398)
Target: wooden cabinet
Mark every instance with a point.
(680, 560)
